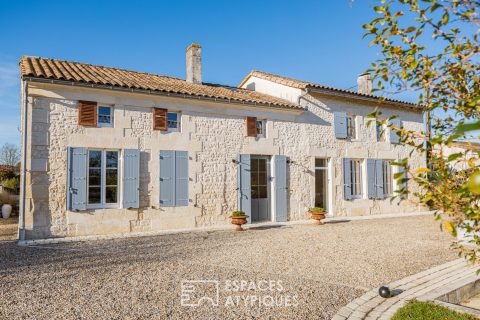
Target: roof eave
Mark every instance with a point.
(161, 93)
(331, 92)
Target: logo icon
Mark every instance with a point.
(198, 292)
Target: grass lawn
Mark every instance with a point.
(429, 311)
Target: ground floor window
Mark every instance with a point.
(321, 183)
(102, 180)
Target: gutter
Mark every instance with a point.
(21, 225)
(159, 93)
(365, 98)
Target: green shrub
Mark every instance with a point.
(11, 183)
(238, 213)
(317, 210)
(416, 310)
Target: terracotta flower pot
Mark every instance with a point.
(318, 216)
(238, 221)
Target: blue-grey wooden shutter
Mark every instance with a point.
(167, 179)
(394, 137)
(371, 179)
(280, 182)
(131, 178)
(340, 124)
(78, 178)
(347, 179)
(379, 179)
(244, 188)
(181, 178)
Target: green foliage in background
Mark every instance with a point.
(431, 48)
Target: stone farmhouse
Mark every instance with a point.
(108, 150)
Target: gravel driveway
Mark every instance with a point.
(289, 272)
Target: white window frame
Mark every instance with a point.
(102, 124)
(352, 126)
(356, 185)
(179, 122)
(103, 176)
(263, 122)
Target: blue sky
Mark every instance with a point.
(318, 41)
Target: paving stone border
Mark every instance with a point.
(212, 228)
(423, 286)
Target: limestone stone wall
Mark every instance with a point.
(213, 134)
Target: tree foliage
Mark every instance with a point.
(431, 48)
(9, 155)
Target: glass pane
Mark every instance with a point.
(262, 178)
(104, 114)
(104, 111)
(112, 159)
(254, 165)
(254, 192)
(259, 125)
(262, 192)
(172, 120)
(254, 179)
(320, 163)
(111, 195)
(321, 188)
(94, 177)
(94, 195)
(95, 159)
(262, 165)
(112, 177)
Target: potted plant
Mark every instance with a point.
(238, 218)
(317, 213)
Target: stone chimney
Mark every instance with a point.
(194, 63)
(365, 84)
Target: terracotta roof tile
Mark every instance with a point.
(299, 84)
(44, 68)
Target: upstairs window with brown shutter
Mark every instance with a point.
(87, 113)
(251, 126)
(160, 119)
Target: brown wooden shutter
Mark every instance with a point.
(160, 119)
(251, 126)
(87, 113)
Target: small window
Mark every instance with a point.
(351, 126)
(356, 177)
(173, 121)
(261, 128)
(387, 178)
(380, 132)
(105, 116)
(102, 181)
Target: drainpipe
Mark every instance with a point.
(24, 161)
(303, 95)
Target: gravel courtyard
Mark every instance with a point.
(293, 272)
